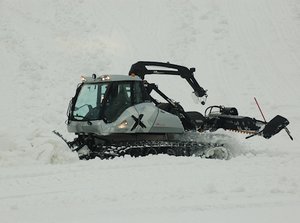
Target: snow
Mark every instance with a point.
(240, 49)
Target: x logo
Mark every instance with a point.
(138, 121)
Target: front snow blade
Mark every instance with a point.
(274, 126)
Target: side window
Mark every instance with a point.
(118, 100)
(140, 94)
(127, 91)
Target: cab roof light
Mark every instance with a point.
(105, 77)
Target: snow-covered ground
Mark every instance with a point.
(240, 49)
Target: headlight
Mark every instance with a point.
(123, 125)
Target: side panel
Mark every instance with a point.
(146, 118)
(167, 123)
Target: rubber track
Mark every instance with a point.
(144, 148)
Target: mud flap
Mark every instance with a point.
(274, 126)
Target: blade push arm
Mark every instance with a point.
(141, 69)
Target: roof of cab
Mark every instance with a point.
(109, 78)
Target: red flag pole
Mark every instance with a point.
(262, 114)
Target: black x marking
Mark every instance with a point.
(138, 121)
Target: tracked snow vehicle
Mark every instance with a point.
(115, 115)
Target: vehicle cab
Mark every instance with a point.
(117, 104)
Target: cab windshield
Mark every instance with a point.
(89, 100)
(107, 101)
